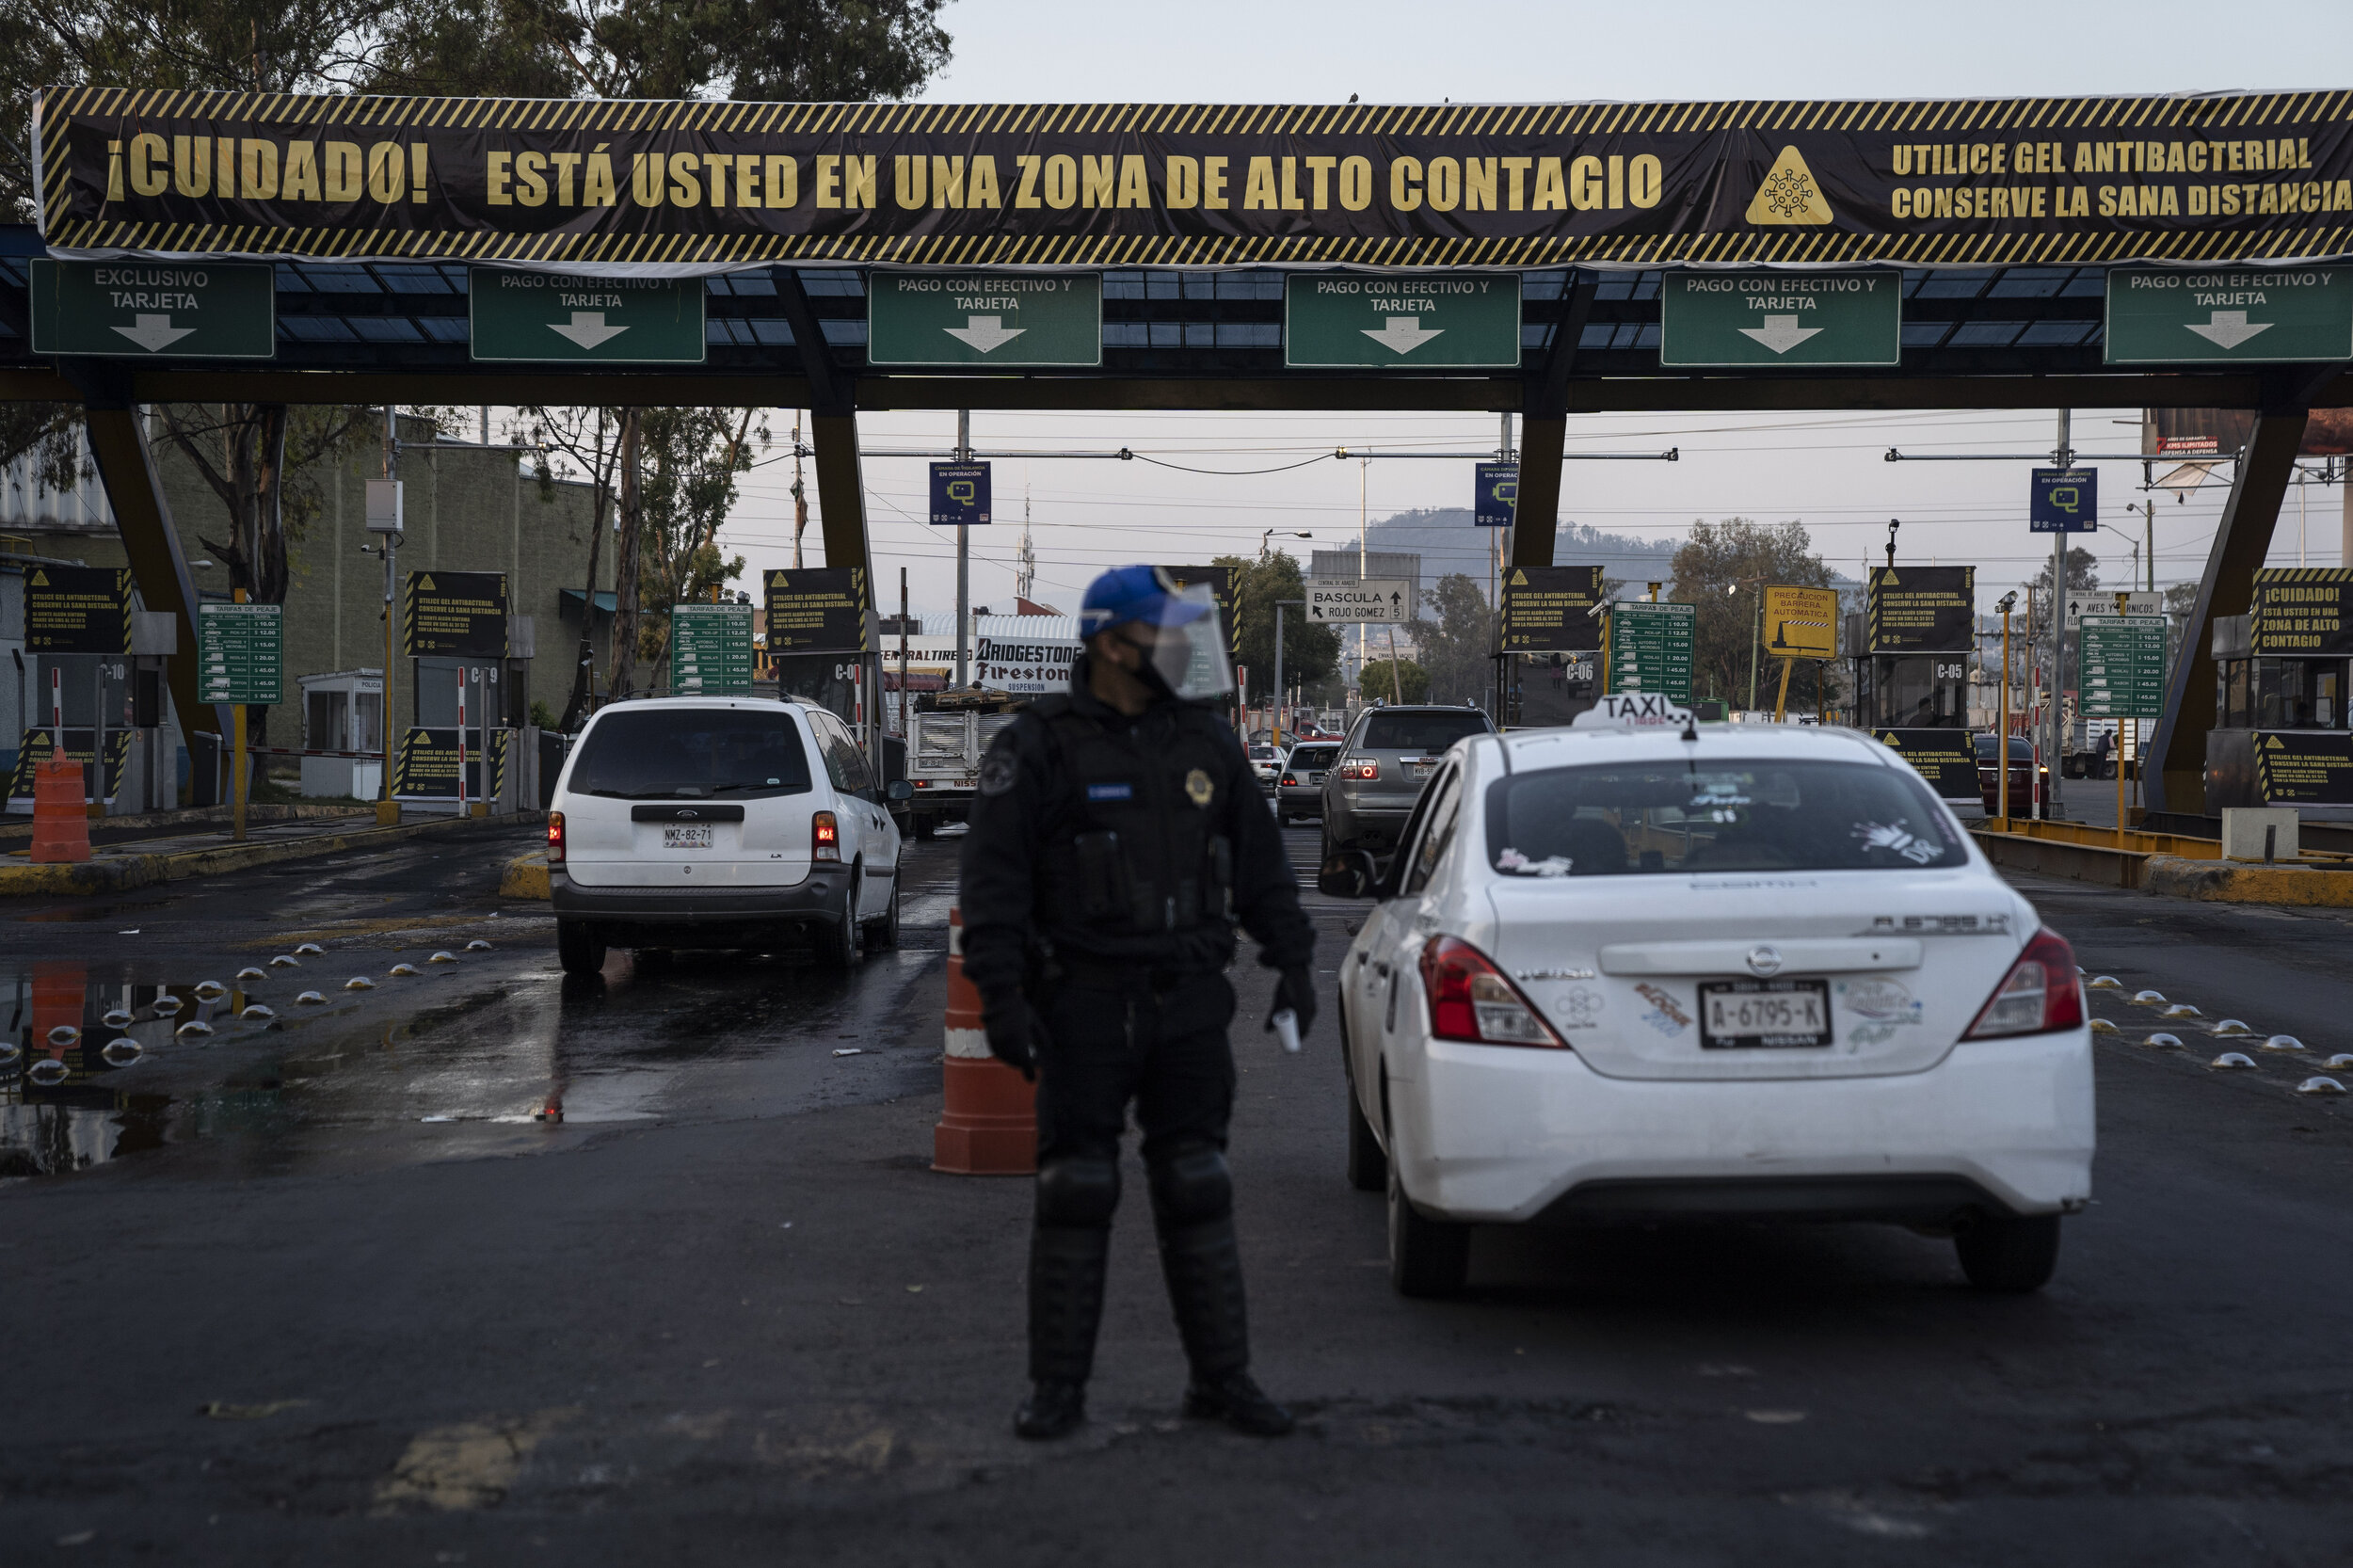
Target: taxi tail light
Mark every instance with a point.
(555, 837)
(2041, 994)
(825, 837)
(1470, 1000)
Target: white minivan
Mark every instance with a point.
(721, 822)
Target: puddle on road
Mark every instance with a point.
(98, 1062)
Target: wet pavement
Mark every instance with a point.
(337, 1285)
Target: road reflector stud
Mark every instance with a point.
(194, 1028)
(2342, 1062)
(284, 961)
(61, 818)
(2282, 1042)
(988, 1123)
(308, 948)
(121, 1053)
(2147, 999)
(116, 1017)
(249, 972)
(359, 983)
(2235, 1027)
(2163, 1042)
(48, 1072)
(210, 990)
(443, 958)
(2320, 1086)
(2104, 983)
(258, 1013)
(168, 1006)
(404, 969)
(310, 999)
(477, 944)
(2101, 1025)
(2232, 1061)
(2181, 1010)
(64, 1036)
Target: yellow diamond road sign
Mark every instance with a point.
(1791, 194)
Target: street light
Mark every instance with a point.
(2001, 740)
(1272, 533)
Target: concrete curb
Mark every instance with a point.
(526, 877)
(2110, 867)
(2236, 882)
(118, 873)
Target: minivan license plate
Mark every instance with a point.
(1764, 1014)
(685, 838)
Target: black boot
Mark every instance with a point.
(1067, 1265)
(1203, 1266)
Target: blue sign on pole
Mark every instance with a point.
(959, 493)
(1499, 495)
(2065, 501)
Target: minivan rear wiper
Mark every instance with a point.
(647, 795)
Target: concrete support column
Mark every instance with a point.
(1544, 431)
(136, 493)
(840, 491)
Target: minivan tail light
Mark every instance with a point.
(1470, 1000)
(1360, 770)
(555, 837)
(825, 837)
(2041, 994)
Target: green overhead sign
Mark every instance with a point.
(2225, 315)
(538, 315)
(240, 653)
(969, 318)
(154, 309)
(1781, 318)
(1401, 321)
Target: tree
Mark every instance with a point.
(1722, 571)
(692, 458)
(1458, 649)
(586, 441)
(2082, 572)
(1394, 680)
(258, 458)
(1311, 652)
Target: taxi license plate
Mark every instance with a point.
(686, 838)
(1764, 1014)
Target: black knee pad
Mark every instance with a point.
(1082, 1190)
(1191, 1185)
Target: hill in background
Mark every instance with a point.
(1447, 541)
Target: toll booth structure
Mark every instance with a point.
(2284, 673)
(1912, 646)
(1211, 258)
(112, 705)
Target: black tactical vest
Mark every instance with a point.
(1135, 849)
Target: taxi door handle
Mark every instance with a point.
(1382, 969)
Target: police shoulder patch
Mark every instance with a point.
(998, 771)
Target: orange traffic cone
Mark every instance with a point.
(989, 1127)
(60, 823)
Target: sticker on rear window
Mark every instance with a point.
(1110, 792)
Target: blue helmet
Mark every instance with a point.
(1138, 593)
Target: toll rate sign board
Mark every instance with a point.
(1781, 318)
(1800, 623)
(818, 610)
(1650, 648)
(1549, 610)
(944, 318)
(711, 649)
(535, 315)
(2121, 673)
(2173, 315)
(1401, 321)
(1922, 610)
(1376, 600)
(457, 615)
(77, 610)
(240, 653)
(154, 309)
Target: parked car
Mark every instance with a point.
(1299, 789)
(2022, 771)
(1615, 976)
(721, 822)
(1390, 755)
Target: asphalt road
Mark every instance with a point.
(335, 1287)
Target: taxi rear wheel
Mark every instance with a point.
(2013, 1254)
(1427, 1257)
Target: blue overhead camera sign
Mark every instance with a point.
(959, 493)
(2064, 500)
(1498, 494)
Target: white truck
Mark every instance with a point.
(951, 732)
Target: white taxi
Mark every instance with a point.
(1629, 971)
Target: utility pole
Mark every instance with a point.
(2063, 457)
(385, 810)
(963, 560)
(800, 494)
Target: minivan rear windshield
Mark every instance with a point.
(1725, 816)
(1314, 756)
(1425, 733)
(692, 754)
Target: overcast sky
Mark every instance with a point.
(1825, 469)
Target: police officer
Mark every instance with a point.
(1117, 836)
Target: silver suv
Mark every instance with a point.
(1390, 754)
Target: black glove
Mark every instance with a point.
(1296, 991)
(1015, 1034)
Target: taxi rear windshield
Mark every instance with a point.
(692, 754)
(1425, 733)
(1630, 820)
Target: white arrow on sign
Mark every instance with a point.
(984, 334)
(1780, 332)
(2226, 329)
(587, 329)
(1401, 334)
(154, 333)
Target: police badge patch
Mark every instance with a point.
(1198, 788)
(997, 772)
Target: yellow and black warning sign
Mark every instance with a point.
(455, 615)
(2301, 612)
(819, 610)
(426, 765)
(1922, 610)
(1947, 758)
(34, 749)
(2304, 767)
(1549, 609)
(1224, 586)
(1800, 623)
(165, 173)
(77, 610)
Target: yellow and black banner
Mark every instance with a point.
(816, 610)
(77, 610)
(34, 749)
(1225, 587)
(133, 172)
(2304, 767)
(2299, 613)
(459, 614)
(1921, 610)
(426, 765)
(1549, 609)
(1947, 758)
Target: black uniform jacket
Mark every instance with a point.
(1101, 840)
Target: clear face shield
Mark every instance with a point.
(1185, 643)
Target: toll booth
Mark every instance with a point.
(1914, 643)
(342, 714)
(2282, 734)
(113, 708)
(469, 741)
